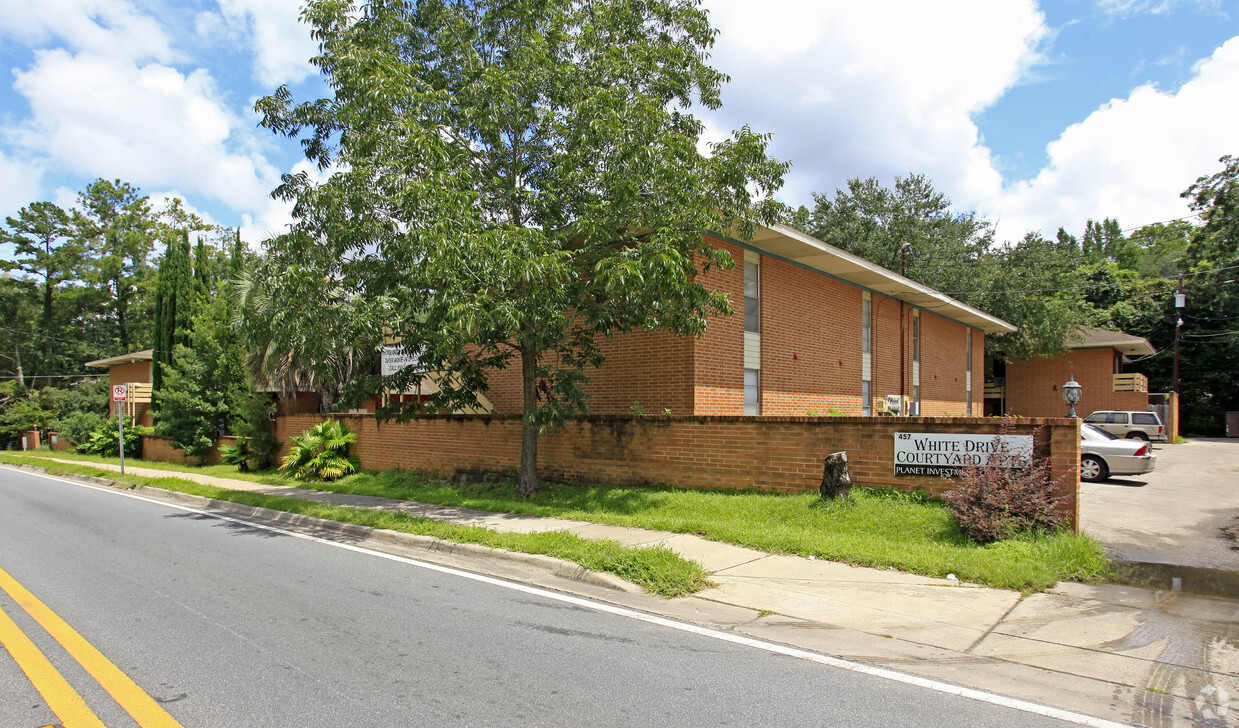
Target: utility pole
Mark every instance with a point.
(1179, 301)
(903, 271)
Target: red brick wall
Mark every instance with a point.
(978, 373)
(770, 453)
(811, 354)
(944, 364)
(811, 341)
(160, 449)
(1034, 387)
(718, 356)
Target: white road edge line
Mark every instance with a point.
(921, 682)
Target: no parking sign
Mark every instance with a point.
(119, 392)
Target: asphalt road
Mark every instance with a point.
(225, 624)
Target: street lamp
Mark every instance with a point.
(1071, 395)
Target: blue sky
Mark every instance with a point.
(1036, 114)
(1095, 56)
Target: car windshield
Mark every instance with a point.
(1097, 433)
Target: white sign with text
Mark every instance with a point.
(395, 359)
(949, 454)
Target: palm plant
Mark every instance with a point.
(238, 455)
(321, 453)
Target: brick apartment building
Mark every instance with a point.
(1096, 359)
(815, 329)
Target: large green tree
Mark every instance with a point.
(175, 302)
(913, 228)
(910, 227)
(513, 180)
(1210, 332)
(42, 248)
(115, 223)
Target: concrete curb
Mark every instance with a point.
(361, 535)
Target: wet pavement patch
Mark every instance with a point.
(1175, 577)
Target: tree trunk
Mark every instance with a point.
(836, 480)
(47, 325)
(121, 303)
(528, 483)
(17, 361)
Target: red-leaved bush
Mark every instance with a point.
(995, 502)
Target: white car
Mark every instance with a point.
(1103, 455)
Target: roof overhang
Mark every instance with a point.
(800, 248)
(130, 358)
(1128, 346)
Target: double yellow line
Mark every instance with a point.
(60, 696)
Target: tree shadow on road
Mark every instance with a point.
(235, 526)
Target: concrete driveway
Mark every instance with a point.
(1186, 512)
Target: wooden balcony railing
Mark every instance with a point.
(1131, 383)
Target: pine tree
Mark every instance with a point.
(175, 300)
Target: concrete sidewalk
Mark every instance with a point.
(1125, 654)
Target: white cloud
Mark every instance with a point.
(1124, 8)
(151, 125)
(281, 44)
(109, 27)
(1131, 158)
(873, 89)
(20, 183)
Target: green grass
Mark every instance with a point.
(223, 471)
(879, 528)
(658, 570)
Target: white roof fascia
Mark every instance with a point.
(791, 244)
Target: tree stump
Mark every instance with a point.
(836, 481)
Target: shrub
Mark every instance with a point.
(105, 441)
(321, 453)
(995, 501)
(77, 427)
(238, 455)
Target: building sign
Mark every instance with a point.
(395, 359)
(948, 454)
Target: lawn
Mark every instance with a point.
(879, 528)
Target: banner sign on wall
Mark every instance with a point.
(949, 454)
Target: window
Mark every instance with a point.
(916, 401)
(752, 297)
(752, 391)
(1143, 419)
(1096, 418)
(1117, 418)
(866, 397)
(866, 326)
(916, 338)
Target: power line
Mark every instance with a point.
(1162, 222)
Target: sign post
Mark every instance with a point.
(119, 395)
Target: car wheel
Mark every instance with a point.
(1137, 436)
(1093, 469)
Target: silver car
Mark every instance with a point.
(1103, 455)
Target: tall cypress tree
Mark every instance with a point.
(174, 305)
